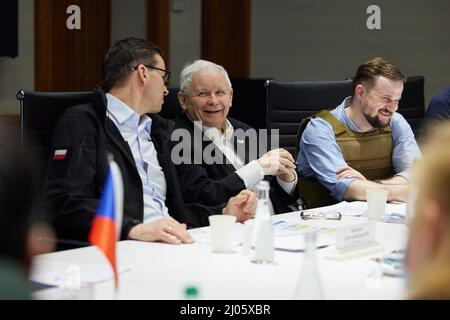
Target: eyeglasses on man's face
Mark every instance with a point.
(317, 215)
(165, 76)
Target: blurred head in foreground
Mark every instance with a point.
(23, 232)
(428, 254)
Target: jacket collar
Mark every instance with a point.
(99, 100)
(160, 125)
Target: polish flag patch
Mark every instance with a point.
(60, 154)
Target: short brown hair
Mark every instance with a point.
(126, 54)
(378, 66)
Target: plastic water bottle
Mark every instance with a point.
(262, 235)
(309, 286)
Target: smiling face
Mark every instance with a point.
(379, 102)
(208, 98)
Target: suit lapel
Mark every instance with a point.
(205, 143)
(160, 137)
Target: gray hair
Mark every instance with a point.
(199, 65)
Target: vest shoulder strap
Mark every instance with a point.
(324, 114)
(338, 126)
(303, 123)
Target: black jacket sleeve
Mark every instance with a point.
(197, 214)
(198, 186)
(71, 188)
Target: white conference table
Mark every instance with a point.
(163, 271)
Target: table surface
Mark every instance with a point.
(163, 271)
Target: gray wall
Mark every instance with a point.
(291, 40)
(18, 73)
(327, 40)
(185, 42)
(128, 19)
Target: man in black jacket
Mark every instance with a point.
(123, 123)
(216, 156)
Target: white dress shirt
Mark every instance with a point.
(136, 131)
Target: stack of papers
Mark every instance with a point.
(288, 236)
(204, 234)
(359, 209)
(354, 208)
(70, 275)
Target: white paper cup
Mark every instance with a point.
(222, 227)
(376, 204)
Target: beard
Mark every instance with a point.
(376, 122)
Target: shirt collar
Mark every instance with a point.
(347, 101)
(213, 133)
(125, 116)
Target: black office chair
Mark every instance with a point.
(171, 108)
(39, 112)
(288, 103)
(412, 104)
(249, 102)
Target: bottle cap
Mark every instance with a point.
(262, 190)
(191, 292)
(263, 185)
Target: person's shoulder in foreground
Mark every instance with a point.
(439, 107)
(24, 231)
(428, 252)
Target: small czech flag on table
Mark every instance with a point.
(106, 226)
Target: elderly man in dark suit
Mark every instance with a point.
(213, 152)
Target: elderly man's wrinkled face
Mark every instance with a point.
(208, 98)
(380, 101)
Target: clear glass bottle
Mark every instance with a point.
(262, 248)
(309, 286)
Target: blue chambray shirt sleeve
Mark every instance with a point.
(406, 150)
(320, 156)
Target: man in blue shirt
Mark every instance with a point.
(361, 144)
